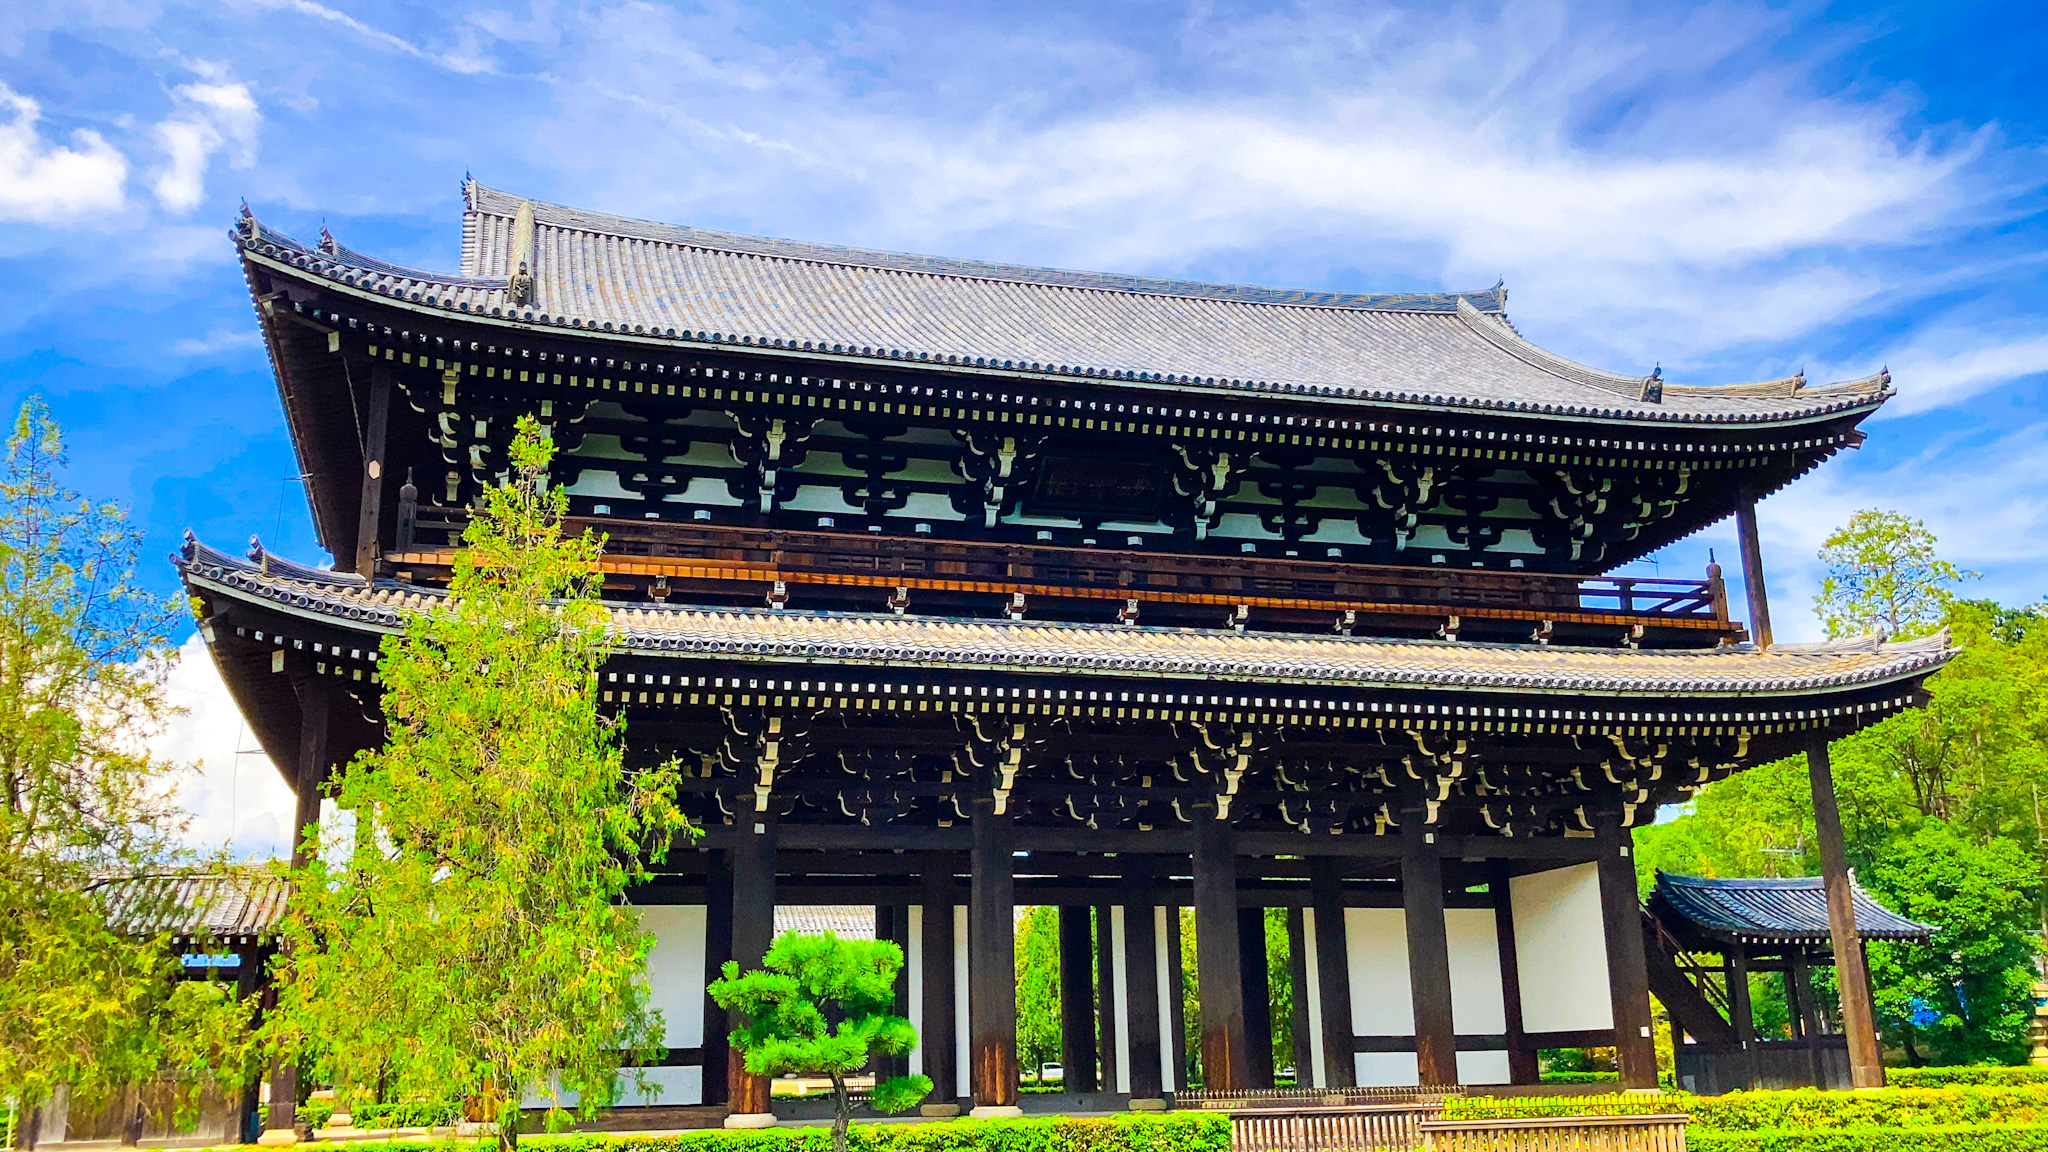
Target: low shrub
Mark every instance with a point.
(404, 1114)
(1169, 1132)
(1966, 1074)
(1800, 1108)
(1945, 1138)
(1581, 1077)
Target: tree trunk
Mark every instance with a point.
(842, 1112)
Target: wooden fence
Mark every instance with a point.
(1361, 1127)
(1557, 1134)
(1309, 1097)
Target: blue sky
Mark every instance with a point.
(1733, 191)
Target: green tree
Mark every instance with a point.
(804, 984)
(476, 944)
(84, 808)
(1280, 984)
(1884, 575)
(1039, 1028)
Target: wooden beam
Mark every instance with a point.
(371, 511)
(1077, 999)
(753, 930)
(1522, 1064)
(1258, 993)
(1141, 978)
(1628, 973)
(1429, 953)
(1753, 572)
(992, 965)
(1333, 975)
(941, 1045)
(1225, 1060)
(1866, 1056)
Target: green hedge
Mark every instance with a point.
(403, 1115)
(1171, 1132)
(1581, 1077)
(1946, 1138)
(1802, 1108)
(2006, 1075)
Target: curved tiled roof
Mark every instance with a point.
(243, 902)
(1774, 910)
(608, 274)
(791, 636)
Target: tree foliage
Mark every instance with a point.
(1039, 1026)
(473, 942)
(1942, 812)
(83, 654)
(822, 1006)
(1884, 576)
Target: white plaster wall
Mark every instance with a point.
(963, 1082)
(1312, 963)
(1478, 1001)
(675, 970)
(1169, 1060)
(1376, 942)
(1561, 950)
(1376, 946)
(1120, 976)
(913, 963)
(1483, 1068)
(1385, 1069)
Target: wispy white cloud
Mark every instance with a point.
(1950, 363)
(211, 117)
(48, 183)
(218, 340)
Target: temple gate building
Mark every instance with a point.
(964, 586)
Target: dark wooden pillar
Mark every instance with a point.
(717, 950)
(1106, 994)
(1077, 999)
(378, 414)
(315, 704)
(940, 1039)
(1298, 977)
(1753, 572)
(1628, 972)
(892, 923)
(1226, 1057)
(1176, 1000)
(1141, 978)
(753, 930)
(1522, 1065)
(1333, 975)
(1429, 953)
(1741, 1015)
(1866, 1056)
(992, 965)
(1806, 1010)
(1258, 995)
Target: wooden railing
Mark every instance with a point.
(1310, 1097)
(1662, 1133)
(1340, 1129)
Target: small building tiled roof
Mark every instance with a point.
(846, 921)
(787, 636)
(242, 904)
(589, 272)
(1774, 911)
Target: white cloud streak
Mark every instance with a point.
(47, 183)
(211, 117)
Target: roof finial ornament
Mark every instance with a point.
(328, 243)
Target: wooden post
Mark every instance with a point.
(1225, 1058)
(1429, 953)
(717, 950)
(1806, 1009)
(992, 965)
(372, 509)
(892, 923)
(1105, 1000)
(1753, 572)
(1298, 977)
(753, 930)
(1258, 994)
(941, 1042)
(315, 706)
(1866, 1056)
(1628, 971)
(1176, 998)
(1077, 999)
(1741, 1015)
(1141, 978)
(1333, 978)
(1522, 1066)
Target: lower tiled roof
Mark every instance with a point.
(248, 902)
(1772, 910)
(862, 639)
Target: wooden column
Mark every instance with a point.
(1522, 1066)
(1105, 1000)
(938, 1027)
(1753, 572)
(1176, 999)
(1141, 978)
(1077, 999)
(372, 510)
(1628, 972)
(1806, 1009)
(753, 930)
(1333, 975)
(1741, 1015)
(717, 950)
(892, 923)
(992, 965)
(1298, 977)
(1226, 1060)
(1866, 1056)
(1258, 994)
(1429, 953)
(315, 701)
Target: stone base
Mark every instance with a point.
(1141, 1104)
(278, 1138)
(995, 1112)
(938, 1111)
(750, 1120)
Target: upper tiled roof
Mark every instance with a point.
(214, 905)
(818, 638)
(669, 283)
(1760, 910)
